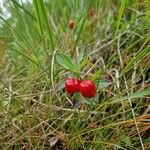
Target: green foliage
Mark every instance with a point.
(65, 61)
(38, 52)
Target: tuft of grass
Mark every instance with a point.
(38, 52)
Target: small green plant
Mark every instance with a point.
(98, 50)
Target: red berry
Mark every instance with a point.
(72, 85)
(87, 88)
(71, 24)
(91, 12)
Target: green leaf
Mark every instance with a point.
(24, 9)
(80, 57)
(136, 59)
(102, 84)
(89, 102)
(65, 61)
(127, 141)
(81, 29)
(43, 21)
(120, 14)
(132, 96)
(84, 62)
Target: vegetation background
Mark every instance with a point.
(38, 52)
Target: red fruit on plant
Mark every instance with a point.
(71, 24)
(91, 12)
(72, 85)
(87, 88)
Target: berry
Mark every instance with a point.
(72, 85)
(87, 88)
(71, 24)
(91, 13)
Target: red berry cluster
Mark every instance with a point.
(85, 87)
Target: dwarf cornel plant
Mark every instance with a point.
(104, 44)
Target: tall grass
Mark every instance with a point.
(38, 52)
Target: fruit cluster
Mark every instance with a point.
(85, 87)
